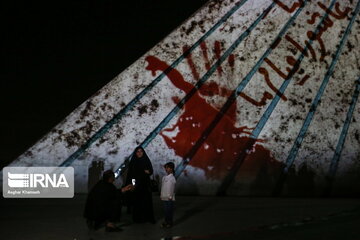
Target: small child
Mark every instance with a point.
(168, 195)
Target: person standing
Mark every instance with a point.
(139, 171)
(167, 194)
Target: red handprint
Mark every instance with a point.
(220, 150)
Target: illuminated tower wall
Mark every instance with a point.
(246, 97)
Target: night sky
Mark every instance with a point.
(57, 55)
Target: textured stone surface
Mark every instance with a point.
(216, 156)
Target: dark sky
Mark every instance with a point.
(57, 55)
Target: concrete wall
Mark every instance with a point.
(246, 97)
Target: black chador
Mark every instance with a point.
(140, 199)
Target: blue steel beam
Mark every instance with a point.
(344, 131)
(206, 76)
(103, 130)
(235, 94)
(339, 147)
(295, 148)
(264, 118)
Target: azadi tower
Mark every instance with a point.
(247, 97)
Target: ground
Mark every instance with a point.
(197, 217)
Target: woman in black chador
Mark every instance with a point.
(139, 172)
(103, 204)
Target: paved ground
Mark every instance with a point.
(196, 218)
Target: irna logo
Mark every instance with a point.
(38, 182)
(35, 180)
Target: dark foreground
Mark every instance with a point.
(196, 218)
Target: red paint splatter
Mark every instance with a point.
(219, 152)
(217, 55)
(191, 63)
(289, 9)
(217, 50)
(205, 55)
(231, 61)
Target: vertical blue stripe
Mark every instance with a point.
(206, 76)
(237, 91)
(103, 130)
(295, 148)
(265, 117)
(344, 131)
(263, 120)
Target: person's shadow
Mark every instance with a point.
(301, 183)
(198, 208)
(262, 182)
(94, 173)
(186, 185)
(306, 177)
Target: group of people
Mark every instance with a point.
(104, 201)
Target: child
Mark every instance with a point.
(167, 194)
